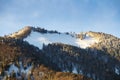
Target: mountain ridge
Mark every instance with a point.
(92, 54)
(26, 31)
(90, 38)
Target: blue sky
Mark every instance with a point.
(61, 15)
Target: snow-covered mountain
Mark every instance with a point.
(36, 37)
(92, 54)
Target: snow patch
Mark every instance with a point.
(117, 71)
(20, 69)
(74, 70)
(86, 42)
(38, 39)
(13, 68)
(27, 70)
(44, 40)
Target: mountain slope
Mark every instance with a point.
(92, 54)
(39, 36)
(20, 61)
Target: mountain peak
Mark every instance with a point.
(21, 33)
(39, 36)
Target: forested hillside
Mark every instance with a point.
(21, 61)
(40, 54)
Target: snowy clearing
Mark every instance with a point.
(38, 39)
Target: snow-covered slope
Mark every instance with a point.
(40, 36)
(86, 42)
(38, 39)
